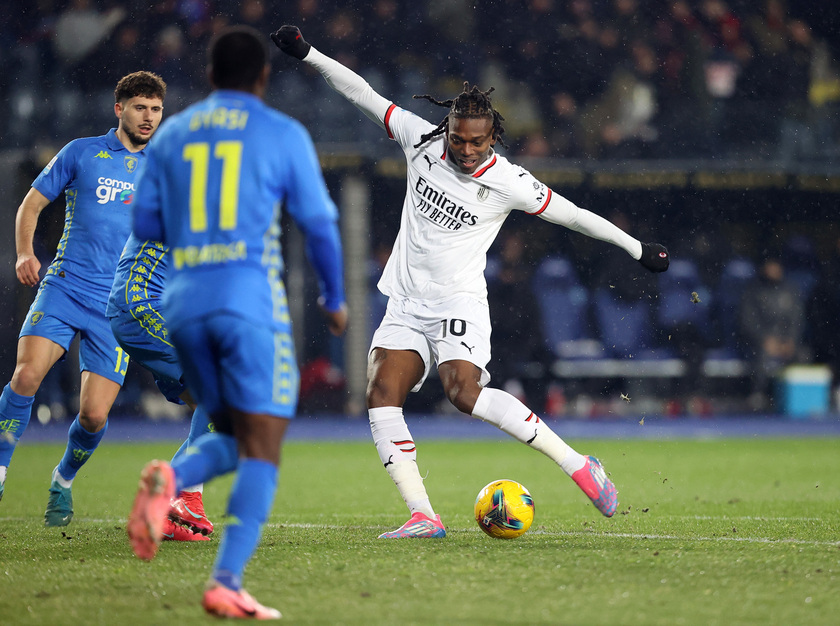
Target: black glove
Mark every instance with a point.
(655, 257)
(289, 40)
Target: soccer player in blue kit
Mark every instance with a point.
(212, 191)
(139, 326)
(97, 176)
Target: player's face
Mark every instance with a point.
(139, 118)
(470, 141)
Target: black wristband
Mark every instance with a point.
(655, 257)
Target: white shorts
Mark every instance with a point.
(447, 330)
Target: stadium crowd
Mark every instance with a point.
(587, 79)
(575, 79)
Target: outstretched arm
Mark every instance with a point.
(344, 80)
(559, 210)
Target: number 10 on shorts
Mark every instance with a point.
(457, 328)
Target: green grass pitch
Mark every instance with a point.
(731, 531)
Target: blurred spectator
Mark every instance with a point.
(797, 137)
(252, 13)
(122, 60)
(772, 318)
(561, 129)
(534, 145)
(79, 32)
(455, 47)
(824, 311)
(515, 345)
(630, 20)
(730, 77)
(621, 124)
(630, 285)
(172, 60)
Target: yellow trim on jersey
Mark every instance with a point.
(150, 319)
(70, 213)
(284, 383)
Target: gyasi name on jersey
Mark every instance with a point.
(109, 188)
(220, 117)
(209, 254)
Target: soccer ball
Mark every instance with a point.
(504, 509)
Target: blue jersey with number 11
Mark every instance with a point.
(215, 178)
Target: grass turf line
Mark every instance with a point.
(729, 532)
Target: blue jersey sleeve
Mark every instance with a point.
(58, 173)
(309, 204)
(323, 246)
(146, 218)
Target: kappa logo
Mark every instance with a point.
(131, 163)
(483, 193)
(36, 317)
(102, 155)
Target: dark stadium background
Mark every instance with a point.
(715, 132)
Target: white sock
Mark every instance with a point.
(399, 456)
(2, 474)
(406, 476)
(61, 480)
(193, 489)
(514, 418)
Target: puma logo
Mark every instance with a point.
(390, 462)
(467, 347)
(429, 161)
(531, 440)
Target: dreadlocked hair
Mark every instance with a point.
(470, 103)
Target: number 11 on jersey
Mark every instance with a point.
(198, 155)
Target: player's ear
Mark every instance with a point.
(118, 109)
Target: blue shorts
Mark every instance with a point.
(232, 362)
(58, 316)
(146, 340)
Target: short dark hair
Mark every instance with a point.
(236, 57)
(145, 84)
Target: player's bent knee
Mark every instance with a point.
(26, 380)
(379, 395)
(463, 396)
(93, 422)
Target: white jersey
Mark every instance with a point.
(450, 219)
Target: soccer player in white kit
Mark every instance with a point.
(458, 194)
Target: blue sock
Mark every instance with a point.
(15, 411)
(250, 501)
(213, 454)
(199, 425)
(80, 445)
